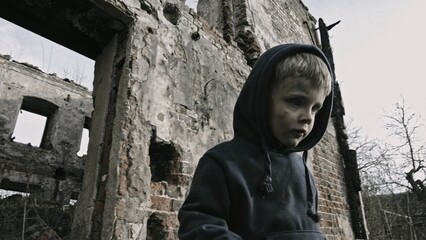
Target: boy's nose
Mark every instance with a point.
(307, 117)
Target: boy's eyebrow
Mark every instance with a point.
(304, 97)
(299, 94)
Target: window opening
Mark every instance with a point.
(84, 141)
(12, 187)
(29, 128)
(192, 4)
(36, 107)
(164, 160)
(7, 193)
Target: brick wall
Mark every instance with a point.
(328, 170)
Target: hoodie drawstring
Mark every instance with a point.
(266, 185)
(312, 210)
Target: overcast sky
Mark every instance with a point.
(25, 46)
(379, 53)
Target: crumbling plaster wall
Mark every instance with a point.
(182, 84)
(272, 22)
(56, 164)
(175, 92)
(271, 28)
(258, 25)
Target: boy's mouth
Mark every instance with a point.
(298, 133)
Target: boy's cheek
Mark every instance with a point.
(309, 129)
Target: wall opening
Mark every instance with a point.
(36, 122)
(192, 4)
(84, 141)
(8, 185)
(29, 128)
(155, 228)
(7, 193)
(164, 160)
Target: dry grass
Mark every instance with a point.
(22, 217)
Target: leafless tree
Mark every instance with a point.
(373, 160)
(77, 74)
(395, 164)
(409, 150)
(392, 170)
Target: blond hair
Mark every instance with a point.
(304, 65)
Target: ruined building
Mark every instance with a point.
(166, 80)
(52, 170)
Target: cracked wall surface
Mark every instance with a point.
(166, 81)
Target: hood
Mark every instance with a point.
(250, 113)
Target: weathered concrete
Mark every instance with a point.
(164, 90)
(258, 25)
(56, 170)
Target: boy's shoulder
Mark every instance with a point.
(236, 146)
(221, 147)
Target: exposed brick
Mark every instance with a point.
(162, 203)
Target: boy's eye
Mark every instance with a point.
(295, 102)
(316, 108)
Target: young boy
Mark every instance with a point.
(257, 186)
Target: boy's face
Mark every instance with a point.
(295, 102)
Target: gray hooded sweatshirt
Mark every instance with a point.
(249, 187)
